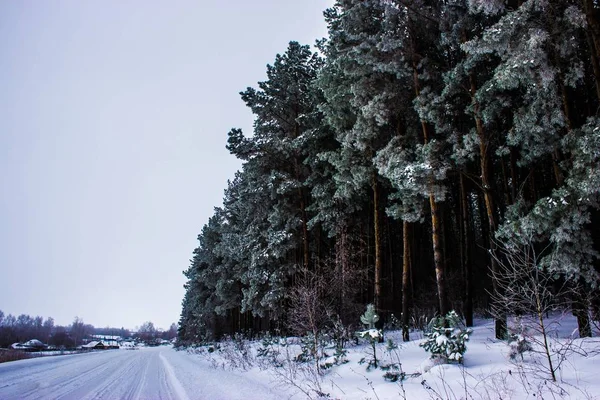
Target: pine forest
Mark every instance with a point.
(427, 156)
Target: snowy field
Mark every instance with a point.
(235, 372)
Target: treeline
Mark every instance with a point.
(391, 166)
(149, 334)
(25, 327)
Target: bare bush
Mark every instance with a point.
(301, 376)
(527, 289)
(236, 352)
(13, 355)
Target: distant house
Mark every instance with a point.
(95, 345)
(129, 345)
(111, 342)
(30, 345)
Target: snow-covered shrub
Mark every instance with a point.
(393, 369)
(340, 334)
(518, 345)
(235, 352)
(268, 353)
(447, 338)
(372, 334)
(281, 361)
(313, 347)
(340, 355)
(393, 373)
(518, 340)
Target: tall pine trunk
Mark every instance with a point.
(465, 253)
(581, 310)
(342, 269)
(302, 204)
(436, 223)
(406, 266)
(377, 228)
(500, 318)
(305, 244)
(593, 36)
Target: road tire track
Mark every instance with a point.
(172, 379)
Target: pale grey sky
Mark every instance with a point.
(113, 124)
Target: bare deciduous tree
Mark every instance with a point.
(310, 310)
(528, 290)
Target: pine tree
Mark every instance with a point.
(272, 186)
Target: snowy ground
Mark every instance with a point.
(164, 373)
(487, 373)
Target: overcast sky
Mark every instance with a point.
(113, 124)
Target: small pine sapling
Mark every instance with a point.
(393, 370)
(370, 317)
(372, 334)
(447, 338)
(518, 340)
(268, 353)
(340, 335)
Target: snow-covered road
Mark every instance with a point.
(152, 373)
